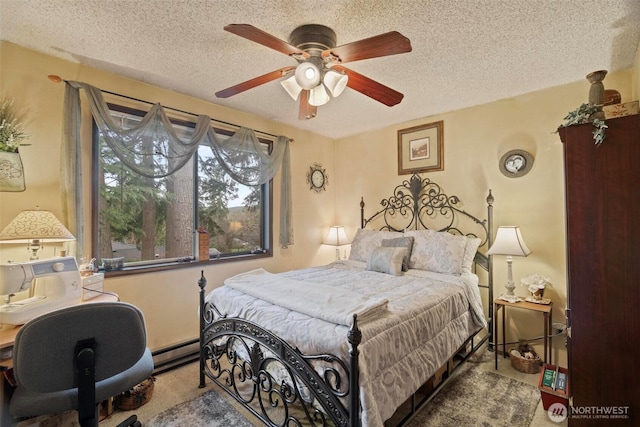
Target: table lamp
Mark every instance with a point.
(336, 237)
(509, 242)
(35, 227)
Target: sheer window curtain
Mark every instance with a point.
(153, 149)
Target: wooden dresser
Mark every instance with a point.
(602, 191)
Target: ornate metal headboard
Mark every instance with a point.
(419, 200)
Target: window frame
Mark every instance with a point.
(266, 201)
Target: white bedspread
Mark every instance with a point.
(335, 305)
(429, 317)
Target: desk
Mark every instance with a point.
(8, 333)
(545, 309)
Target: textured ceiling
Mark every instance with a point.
(465, 52)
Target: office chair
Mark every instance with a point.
(76, 357)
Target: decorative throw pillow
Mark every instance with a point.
(470, 249)
(386, 260)
(400, 242)
(366, 240)
(437, 251)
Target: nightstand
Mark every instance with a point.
(545, 309)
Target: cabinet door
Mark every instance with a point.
(603, 265)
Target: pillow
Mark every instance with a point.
(365, 240)
(470, 249)
(386, 260)
(400, 242)
(437, 251)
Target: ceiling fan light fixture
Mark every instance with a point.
(318, 96)
(308, 74)
(336, 82)
(292, 87)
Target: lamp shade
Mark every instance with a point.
(335, 82)
(35, 225)
(336, 236)
(509, 241)
(292, 87)
(318, 96)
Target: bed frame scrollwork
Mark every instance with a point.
(284, 387)
(418, 200)
(307, 390)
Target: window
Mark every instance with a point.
(155, 221)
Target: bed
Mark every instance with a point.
(364, 341)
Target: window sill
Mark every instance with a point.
(130, 270)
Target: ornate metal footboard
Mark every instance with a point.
(276, 382)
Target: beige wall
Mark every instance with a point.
(362, 165)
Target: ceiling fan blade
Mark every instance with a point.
(250, 84)
(306, 111)
(371, 88)
(261, 37)
(390, 43)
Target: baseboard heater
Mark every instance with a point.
(175, 356)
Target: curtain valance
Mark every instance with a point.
(153, 148)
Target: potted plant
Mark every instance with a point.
(12, 135)
(583, 114)
(12, 126)
(536, 284)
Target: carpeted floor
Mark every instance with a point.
(477, 397)
(209, 410)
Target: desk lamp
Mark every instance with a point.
(509, 242)
(35, 227)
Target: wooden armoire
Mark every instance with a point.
(602, 201)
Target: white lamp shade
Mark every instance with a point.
(35, 225)
(335, 82)
(292, 87)
(509, 241)
(336, 236)
(307, 75)
(318, 96)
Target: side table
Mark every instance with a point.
(545, 309)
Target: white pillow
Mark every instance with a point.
(366, 240)
(470, 249)
(387, 260)
(437, 251)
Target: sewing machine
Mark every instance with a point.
(56, 284)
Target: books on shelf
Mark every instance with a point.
(554, 378)
(553, 383)
(548, 377)
(561, 382)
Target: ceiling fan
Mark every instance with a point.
(320, 71)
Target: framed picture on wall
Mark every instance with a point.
(420, 149)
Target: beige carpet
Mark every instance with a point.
(479, 397)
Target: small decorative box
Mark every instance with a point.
(620, 110)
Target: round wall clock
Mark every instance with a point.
(516, 163)
(317, 178)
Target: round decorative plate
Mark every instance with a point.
(516, 163)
